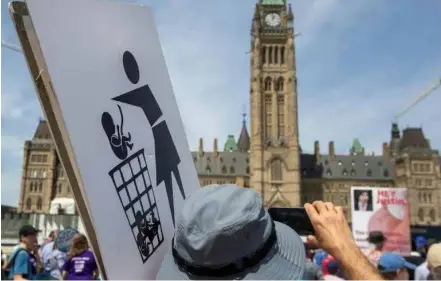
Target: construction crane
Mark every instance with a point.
(418, 99)
(11, 46)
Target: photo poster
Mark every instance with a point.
(381, 209)
(119, 115)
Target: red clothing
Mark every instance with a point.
(325, 264)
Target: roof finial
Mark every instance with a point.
(244, 114)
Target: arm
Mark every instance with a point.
(21, 266)
(64, 275)
(335, 237)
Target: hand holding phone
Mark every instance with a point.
(296, 218)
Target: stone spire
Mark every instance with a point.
(243, 144)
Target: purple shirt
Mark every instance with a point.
(80, 267)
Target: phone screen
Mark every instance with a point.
(296, 218)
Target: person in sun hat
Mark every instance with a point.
(393, 266)
(224, 232)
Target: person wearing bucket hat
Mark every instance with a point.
(394, 267)
(223, 232)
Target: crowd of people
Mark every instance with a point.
(224, 232)
(30, 261)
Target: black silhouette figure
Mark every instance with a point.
(120, 144)
(140, 239)
(167, 157)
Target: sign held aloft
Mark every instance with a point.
(104, 88)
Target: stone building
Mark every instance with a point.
(270, 158)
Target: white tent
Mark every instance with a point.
(62, 206)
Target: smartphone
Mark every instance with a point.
(296, 218)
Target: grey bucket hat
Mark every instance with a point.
(223, 232)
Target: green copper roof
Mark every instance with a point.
(272, 2)
(230, 144)
(356, 146)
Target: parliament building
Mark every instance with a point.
(269, 158)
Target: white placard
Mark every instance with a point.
(108, 72)
(382, 209)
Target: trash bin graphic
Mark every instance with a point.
(133, 185)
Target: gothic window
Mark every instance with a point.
(415, 167)
(279, 85)
(39, 203)
(276, 170)
(428, 182)
(276, 55)
(432, 215)
(208, 159)
(419, 197)
(328, 172)
(430, 197)
(385, 173)
(28, 204)
(263, 55)
(208, 169)
(281, 115)
(353, 172)
(31, 187)
(60, 188)
(425, 198)
(232, 170)
(234, 159)
(224, 170)
(270, 54)
(369, 173)
(40, 187)
(268, 116)
(282, 55)
(268, 84)
(345, 172)
(427, 167)
(44, 158)
(421, 214)
(248, 170)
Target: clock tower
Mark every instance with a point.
(274, 152)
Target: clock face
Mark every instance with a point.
(273, 19)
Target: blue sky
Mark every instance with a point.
(358, 63)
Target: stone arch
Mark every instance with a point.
(421, 214)
(39, 203)
(280, 83)
(268, 84)
(28, 204)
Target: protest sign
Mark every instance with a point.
(385, 210)
(104, 87)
